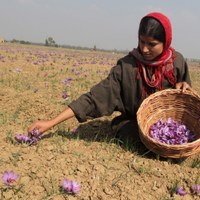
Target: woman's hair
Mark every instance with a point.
(152, 28)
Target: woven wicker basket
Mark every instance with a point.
(170, 103)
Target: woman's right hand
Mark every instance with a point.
(41, 126)
(44, 125)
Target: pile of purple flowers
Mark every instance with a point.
(171, 132)
(31, 140)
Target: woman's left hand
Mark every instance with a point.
(184, 86)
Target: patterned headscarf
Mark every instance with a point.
(160, 67)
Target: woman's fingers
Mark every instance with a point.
(183, 85)
(36, 126)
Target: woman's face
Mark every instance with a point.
(150, 47)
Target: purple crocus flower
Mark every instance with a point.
(71, 186)
(21, 138)
(180, 191)
(67, 81)
(67, 186)
(196, 189)
(75, 187)
(65, 96)
(34, 132)
(9, 177)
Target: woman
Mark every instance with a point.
(154, 65)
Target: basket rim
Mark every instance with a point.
(169, 91)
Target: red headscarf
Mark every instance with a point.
(162, 66)
(166, 25)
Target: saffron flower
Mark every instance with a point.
(65, 96)
(180, 191)
(67, 81)
(196, 189)
(9, 177)
(67, 186)
(34, 132)
(71, 186)
(21, 138)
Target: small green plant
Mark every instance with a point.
(196, 163)
(3, 118)
(3, 162)
(197, 181)
(9, 137)
(14, 158)
(141, 170)
(174, 188)
(50, 187)
(15, 115)
(32, 175)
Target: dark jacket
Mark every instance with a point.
(121, 90)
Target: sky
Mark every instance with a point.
(106, 24)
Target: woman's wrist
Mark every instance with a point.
(66, 114)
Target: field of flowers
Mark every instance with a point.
(76, 161)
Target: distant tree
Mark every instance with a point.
(46, 43)
(50, 42)
(24, 42)
(14, 41)
(20, 41)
